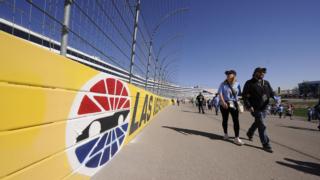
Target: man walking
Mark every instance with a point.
(317, 111)
(256, 95)
(200, 100)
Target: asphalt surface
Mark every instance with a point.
(180, 143)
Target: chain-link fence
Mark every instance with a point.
(101, 34)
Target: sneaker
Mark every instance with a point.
(249, 137)
(267, 148)
(225, 137)
(238, 141)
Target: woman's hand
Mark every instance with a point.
(224, 105)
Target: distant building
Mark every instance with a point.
(288, 92)
(309, 89)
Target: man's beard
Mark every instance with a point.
(258, 77)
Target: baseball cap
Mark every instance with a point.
(260, 69)
(230, 72)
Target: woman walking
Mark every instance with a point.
(229, 91)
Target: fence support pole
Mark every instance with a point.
(65, 27)
(155, 74)
(134, 39)
(149, 59)
(159, 80)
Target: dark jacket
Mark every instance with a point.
(317, 107)
(256, 94)
(200, 99)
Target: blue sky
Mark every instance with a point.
(282, 35)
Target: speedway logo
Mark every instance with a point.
(98, 123)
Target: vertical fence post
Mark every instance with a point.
(155, 74)
(159, 80)
(134, 39)
(149, 58)
(163, 84)
(65, 27)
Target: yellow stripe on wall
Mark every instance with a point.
(38, 90)
(24, 63)
(25, 106)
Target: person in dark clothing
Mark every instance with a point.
(256, 95)
(209, 104)
(317, 111)
(172, 100)
(200, 100)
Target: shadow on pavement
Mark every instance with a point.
(206, 112)
(195, 132)
(196, 112)
(306, 167)
(299, 128)
(189, 111)
(205, 134)
(256, 147)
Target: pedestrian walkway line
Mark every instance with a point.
(274, 142)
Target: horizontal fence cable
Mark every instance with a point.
(112, 59)
(121, 17)
(113, 23)
(100, 29)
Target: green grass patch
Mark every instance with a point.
(302, 112)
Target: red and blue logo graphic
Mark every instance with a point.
(98, 124)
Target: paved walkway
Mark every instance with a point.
(183, 144)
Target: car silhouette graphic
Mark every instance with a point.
(105, 123)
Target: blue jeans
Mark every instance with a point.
(259, 123)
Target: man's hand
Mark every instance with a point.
(251, 109)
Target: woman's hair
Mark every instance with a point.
(233, 80)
